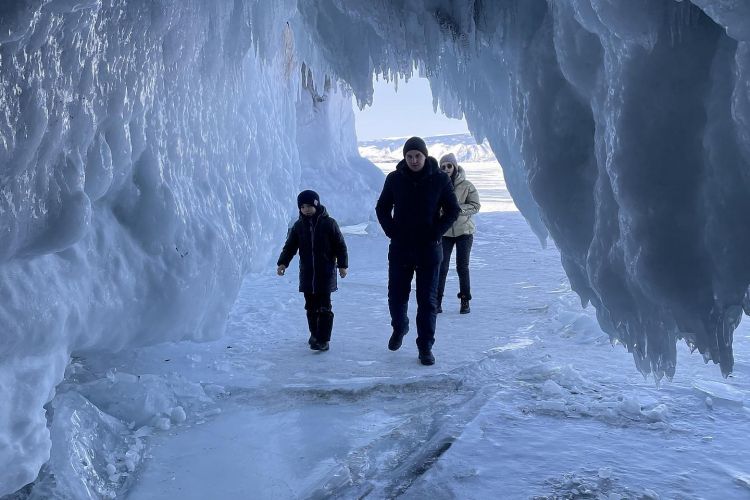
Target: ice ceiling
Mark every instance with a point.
(150, 152)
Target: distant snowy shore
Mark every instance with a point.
(462, 145)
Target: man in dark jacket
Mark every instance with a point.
(321, 249)
(417, 205)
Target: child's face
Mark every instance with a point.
(307, 210)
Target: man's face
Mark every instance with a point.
(415, 160)
(307, 210)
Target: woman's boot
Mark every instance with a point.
(465, 309)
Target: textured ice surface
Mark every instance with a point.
(348, 184)
(93, 453)
(150, 153)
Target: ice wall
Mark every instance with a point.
(348, 184)
(149, 158)
(621, 126)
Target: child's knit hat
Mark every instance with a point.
(308, 197)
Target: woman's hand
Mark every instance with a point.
(342, 272)
(280, 270)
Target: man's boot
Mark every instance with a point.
(426, 357)
(394, 343)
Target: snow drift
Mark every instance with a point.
(151, 151)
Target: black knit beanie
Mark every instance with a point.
(308, 197)
(415, 143)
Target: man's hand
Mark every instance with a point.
(342, 272)
(280, 270)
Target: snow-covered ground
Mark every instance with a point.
(527, 399)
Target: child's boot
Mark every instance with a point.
(325, 326)
(312, 323)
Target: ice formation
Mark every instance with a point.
(149, 160)
(151, 151)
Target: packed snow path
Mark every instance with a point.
(527, 398)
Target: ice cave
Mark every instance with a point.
(151, 152)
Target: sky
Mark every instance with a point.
(404, 113)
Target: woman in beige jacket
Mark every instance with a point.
(461, 233)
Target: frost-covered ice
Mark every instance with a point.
(150, 155)
(151, 151)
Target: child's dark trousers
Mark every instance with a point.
(319, 315)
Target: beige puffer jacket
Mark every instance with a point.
(468, 200)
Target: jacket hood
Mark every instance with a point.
(460, 175)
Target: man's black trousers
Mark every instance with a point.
(403, 262)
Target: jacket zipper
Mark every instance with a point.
(312, 245)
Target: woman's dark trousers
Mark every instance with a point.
(463, 251)
(319, 315)
(403, 262)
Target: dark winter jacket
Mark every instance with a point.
(321, 250)
(410, 204)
